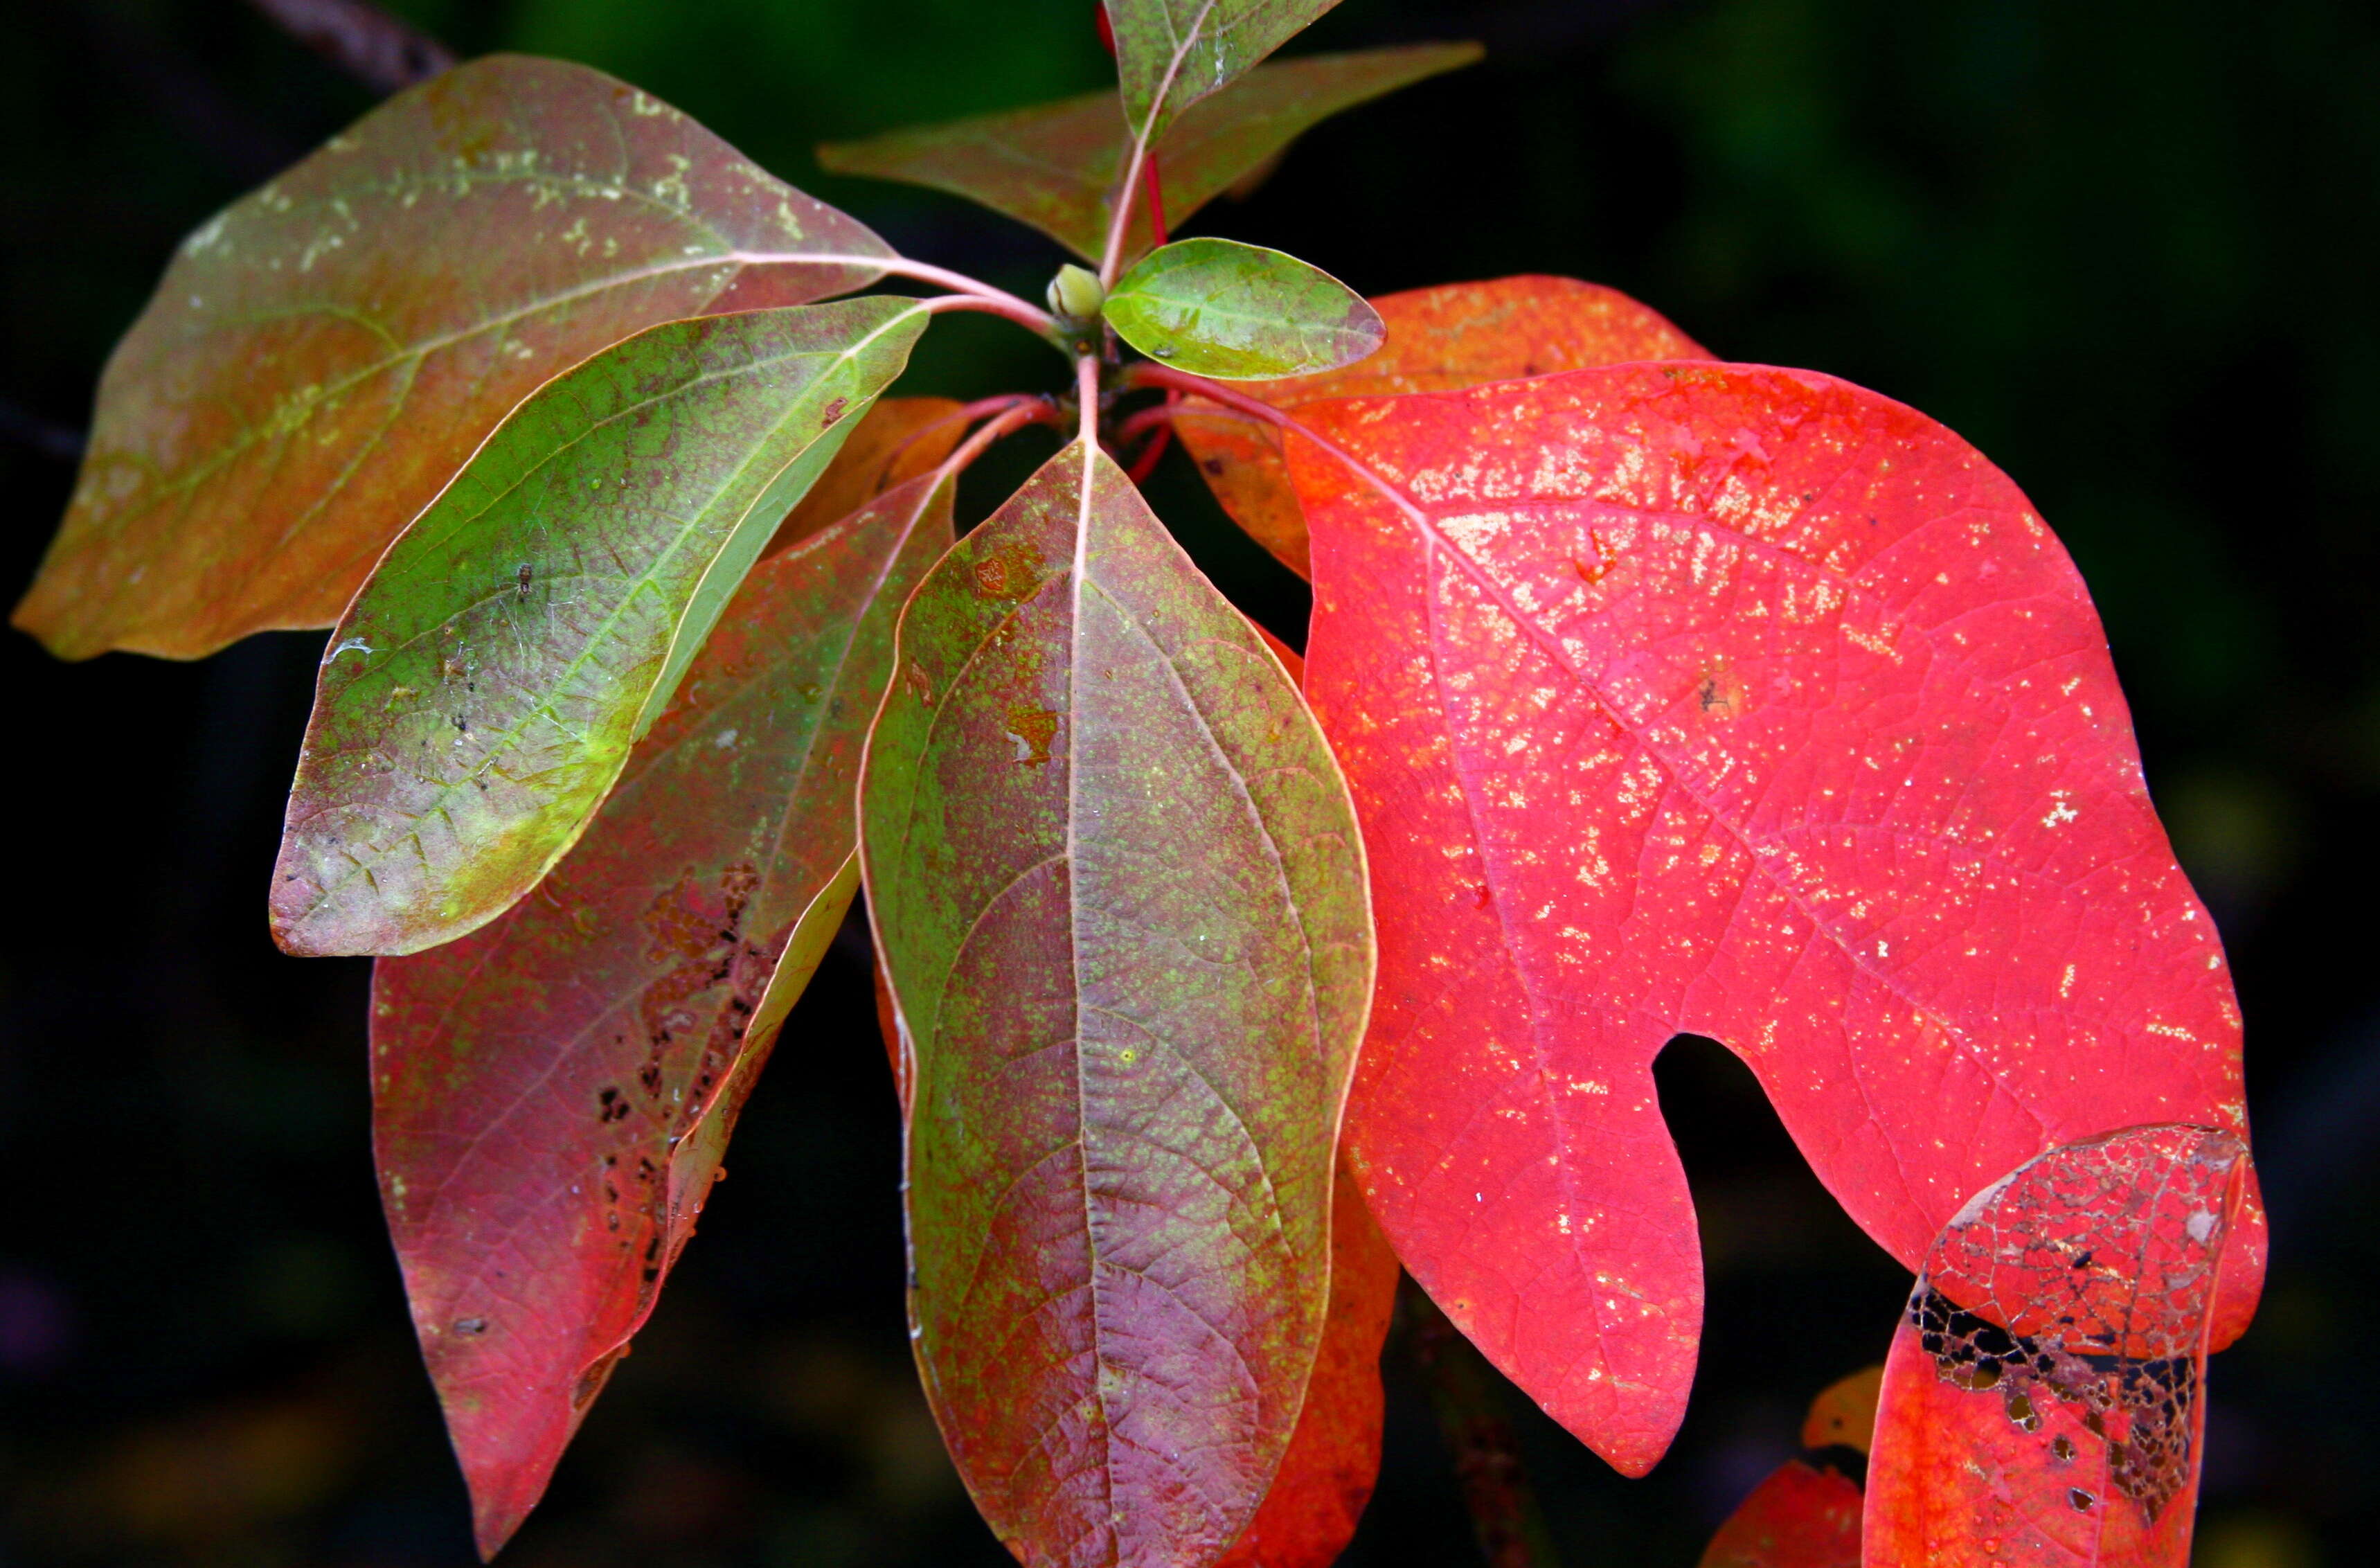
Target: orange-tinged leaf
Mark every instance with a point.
(553, 1093)
(1843, 1415)
(1118, 892)
(1440, 340)
(1743, 702)
(1334, 1455)
(324, 355)
(1803, 1516)
(895, 440)
(2041, 1402)
(1055, 166)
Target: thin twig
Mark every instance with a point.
(1023, 411)
(383, 53)
(1504, 1512)
(1010, 310)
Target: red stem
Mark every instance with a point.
(1145, 464)
(1156, 198)
(1020, 411)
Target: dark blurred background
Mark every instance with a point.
(2129, 249)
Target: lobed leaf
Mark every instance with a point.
(483, 692)
(1742, 702)
(1120, 897)
(553, 1093)
(1221, 308)
(1170, 54)
(1326, 1476)
(2041, 1401)
(1055, 166)
(322, 355)
(1439, 339)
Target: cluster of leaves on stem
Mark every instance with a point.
(1644, 694)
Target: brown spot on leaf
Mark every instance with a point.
(1034, 728)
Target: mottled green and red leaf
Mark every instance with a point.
(483, 691)
(1120, 899)
(323, 356)
(553, 1092)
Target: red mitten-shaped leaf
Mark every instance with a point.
(2041, 1402)
(1119, 892)
(326, 353)
(551, 1094)
(1440, 340)
(1334, 1455)
(1740, 702)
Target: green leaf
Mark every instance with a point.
(614, 1021)
(1119, 893)
(1055, 166)
(1218, 308)
(1170, 54)
(479, 697)
(324, 355)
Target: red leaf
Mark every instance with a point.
(2040, 1405)
(553, 1093)
(1334, 1455)
(1740, 702)
(1118, 892)
(1440, 340)
(1801, 1516)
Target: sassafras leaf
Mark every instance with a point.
(1743, 702)
(2042, 1402)
(1055, 166)
(1170, 54)
(1334, 1455)
(553, 1093)
(483, 692)
(1120, 898)
(322, 355)
(1438, 340)
(1218, 308)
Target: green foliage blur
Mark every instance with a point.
(2131, 251)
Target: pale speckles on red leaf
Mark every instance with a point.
(2041, 1404)
(1129, 982)
(551, 1094)
(1438, 340)
(1783, 769)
